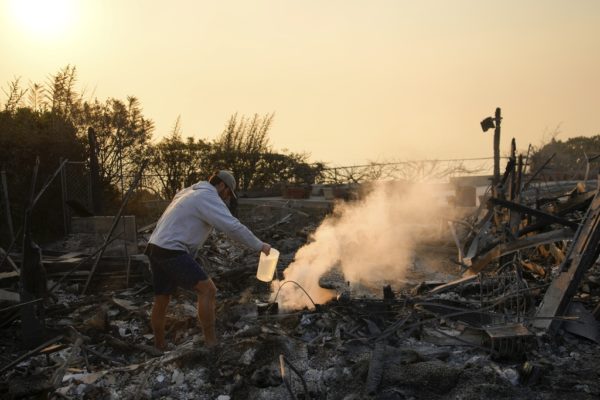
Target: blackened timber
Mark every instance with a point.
(515, 216)
(6, 257)
(480, 262)
(6, 201)
(582, 254)
(536, 173)
(578, 202)
(519, 180)
(532, 211)
(533, 228)
(32, 353)
(375, 373)
(512, 183)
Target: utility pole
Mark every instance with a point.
(489, 123)
(497, 120)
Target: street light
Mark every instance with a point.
(489, 123)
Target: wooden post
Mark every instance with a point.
(7, 206)
(96, 185)
(512, 180)
(66, 213)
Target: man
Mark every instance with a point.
(180, 231)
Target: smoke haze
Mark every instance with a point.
(371, 240)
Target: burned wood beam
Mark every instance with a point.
(6, 257)
(6, 202)
(513, 179)
(58, 375)
(451, 285)
(536, 173)
(481, 261)
(499, 188)
(531, 211)
(118, 343)
(533, 228)
(580, 201)
(7, 295)
(375, 368)
(582, 254)
(519, 180)
(456, 241)
(102, 356)
(15, 306)
(480, 230)
(32, 353)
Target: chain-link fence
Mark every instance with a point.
(76, 192)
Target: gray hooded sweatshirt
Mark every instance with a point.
(191, 216)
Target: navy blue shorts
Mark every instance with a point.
(181, 270)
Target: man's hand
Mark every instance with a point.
(266, 248)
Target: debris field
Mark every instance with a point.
(512, 313)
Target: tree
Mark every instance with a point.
(122, 132)
(61, 96)
(177, 163)
(123, 137)
(240, 147)
(244, 148)
(14, 96)
(569, 158)
(413, 171)
(277, 168)
(24, 135)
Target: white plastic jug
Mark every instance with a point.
(267, 265)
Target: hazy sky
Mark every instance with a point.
(349, 81)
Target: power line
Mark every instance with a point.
(410, 162)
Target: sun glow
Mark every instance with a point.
(43, 19)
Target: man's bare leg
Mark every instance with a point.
(207, 292)
(159, 313)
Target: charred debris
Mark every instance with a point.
(519, 319)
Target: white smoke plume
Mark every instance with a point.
(371, 241)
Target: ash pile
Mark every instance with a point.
(513, 313)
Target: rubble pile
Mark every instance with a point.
(515, 318)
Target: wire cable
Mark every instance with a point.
(297, 284)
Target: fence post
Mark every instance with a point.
(7, 206)
(66, 212)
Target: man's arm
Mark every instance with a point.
(216, 213)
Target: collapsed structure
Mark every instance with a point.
(518, 319)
